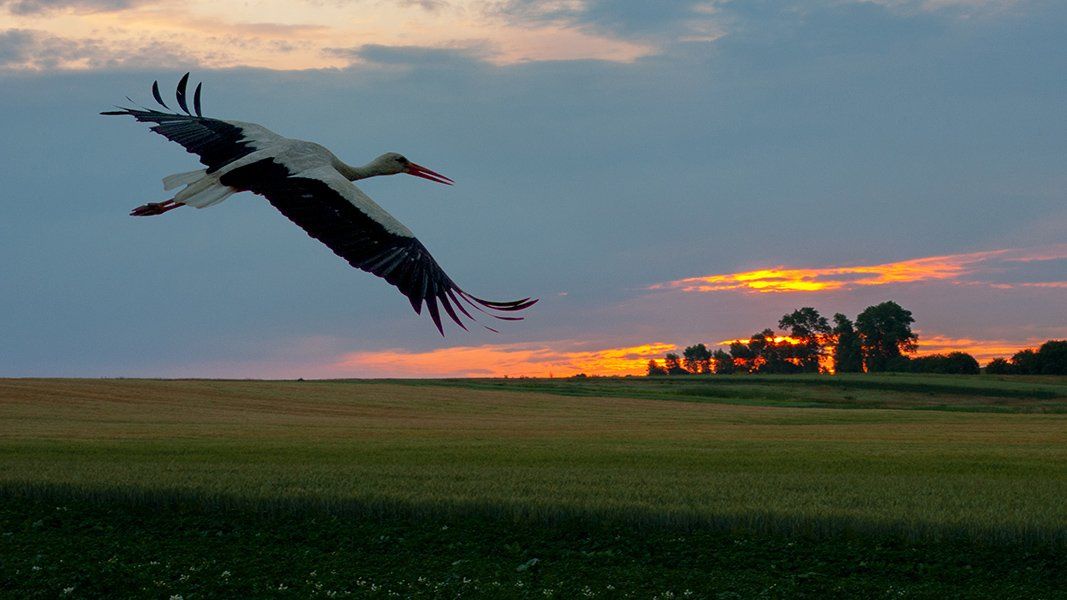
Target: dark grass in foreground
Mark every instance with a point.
(206, 489)
(968, 393)
(79, 549)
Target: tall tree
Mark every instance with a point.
(771, 356)
(848, 353)
(722, 363)
(886, 335)
(743, 357)
(654, 369)
(1053, 355)
(697, 359)
(1026, 362)
(999, 366)
(811, 332)
(673, 363)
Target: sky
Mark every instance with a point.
(658, 173)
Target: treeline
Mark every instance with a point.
(879, 340)
(1049, 359)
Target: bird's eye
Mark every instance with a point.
(402, 160)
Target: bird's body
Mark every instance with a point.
(313, 188)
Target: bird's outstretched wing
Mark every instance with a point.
(215, 141)
(334, 211)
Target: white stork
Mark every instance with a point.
(314, 189)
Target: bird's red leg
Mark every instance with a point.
(154, 208)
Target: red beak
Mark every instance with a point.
(421, 171)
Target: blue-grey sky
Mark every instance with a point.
(658, 173)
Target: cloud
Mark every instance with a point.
(498, 360)
(32, 50)
(965, 8)
(32, 7)
(665, 20)
(413, 55)
(992, 267)
(430, 5)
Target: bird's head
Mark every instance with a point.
(392, 163)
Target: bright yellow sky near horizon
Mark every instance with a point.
(281, 34)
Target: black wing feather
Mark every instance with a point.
(157, 96)
(354, 236)
(216, 142)
(180, 94)
(196, 99)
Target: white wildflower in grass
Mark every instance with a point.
(176, 597)
(688, 593)
(68, 590)
(547, 593)
(282, 587)
(588, 592)
(36, 568)
(225, 574)
(183, 578)
(609, 587)
(519, 584)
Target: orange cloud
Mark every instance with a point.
(952, 268)
(499, 360)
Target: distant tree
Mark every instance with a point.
(743, 356)
(848, 352)
(697, 359)
(772, 356)
(999, 366)
(1026, 362)
(673, 363)
(1052, 355)
(722, 362)
(654, 369)
(958, 363)
(811, 332)
(885, 336)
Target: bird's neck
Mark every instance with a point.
(356, 173)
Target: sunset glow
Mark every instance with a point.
(982, 350)
(500, 360)
(953, 268)
(285, 35)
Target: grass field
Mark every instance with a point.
(854, 469)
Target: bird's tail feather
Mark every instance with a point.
(172, 181)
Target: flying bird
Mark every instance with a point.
(314, 189)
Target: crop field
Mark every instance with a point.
(775, 486)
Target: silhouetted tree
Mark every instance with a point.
(958, 363)
(885, 336)
(772, 356)
(654, 369)
(722, 362)
(697, 359)
(743, 357)
(1053, 357)
(1026, 362)
(848, 353)
(999, 366)
(811, 331)
(673, 363)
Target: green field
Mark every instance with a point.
(892, 471)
